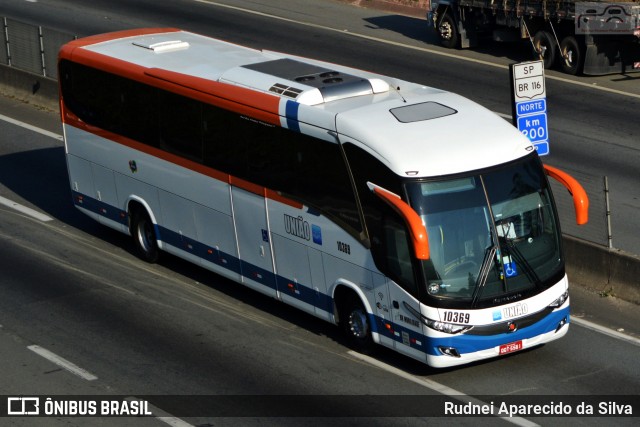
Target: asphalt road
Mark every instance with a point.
(70, 286)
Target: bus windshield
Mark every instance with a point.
(493, 236)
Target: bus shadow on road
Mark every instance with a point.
(39, 178)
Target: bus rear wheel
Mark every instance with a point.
(356, 325)
(144, 236)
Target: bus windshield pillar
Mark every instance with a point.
(417, 229)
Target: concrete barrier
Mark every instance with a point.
(34, 89)
(610, 272)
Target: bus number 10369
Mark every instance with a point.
(456, 317)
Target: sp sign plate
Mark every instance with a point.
(528, 81)
(530, 103)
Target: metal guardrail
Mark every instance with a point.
(598, 229)
(31, 48)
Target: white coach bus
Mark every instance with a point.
(411, 217)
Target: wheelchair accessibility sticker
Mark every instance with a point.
(510, 269)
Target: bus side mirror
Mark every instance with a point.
(580, 199)
(416, 228)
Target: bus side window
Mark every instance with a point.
(104, 100)
(300, 166)
(91, 96)
(180, 126)
(139, 112)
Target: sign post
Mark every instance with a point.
(529, 100)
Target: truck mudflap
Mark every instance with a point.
(603, 56)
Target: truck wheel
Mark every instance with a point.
(545, 48)
(572, 56)
(144, 236)
(356, 325)
(448, 31)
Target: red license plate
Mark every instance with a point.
(511, 347)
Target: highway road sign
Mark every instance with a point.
(530, 103)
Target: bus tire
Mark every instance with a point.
(144, 236)
(448, 31)
(356, 325)
(545, 48)
(572, 56)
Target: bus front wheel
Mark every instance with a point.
(356, 325)
(144, 236)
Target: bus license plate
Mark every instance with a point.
(511, 347)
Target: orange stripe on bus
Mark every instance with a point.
(72, 120)
(258, 105)
(248, 100)
(274, 195)
(246, 185)
(101, 38)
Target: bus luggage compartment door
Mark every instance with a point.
(254, 248)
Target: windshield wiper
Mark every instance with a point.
(489, 257)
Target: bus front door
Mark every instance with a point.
(409, 335)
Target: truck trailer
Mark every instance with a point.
(580, 37)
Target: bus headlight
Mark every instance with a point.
(561, 300)
(447, 328)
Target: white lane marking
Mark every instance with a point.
(10, 203)
(163, 416)
(63, 363)
(174, 422)
(604, 330)
(504, 116)
(422, 49)
(25, 210)
(437, 387)
(31, 128)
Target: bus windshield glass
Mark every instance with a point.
(492, 235)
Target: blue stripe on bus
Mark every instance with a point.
(291, 113)
(94, 205)
(397, 332)
(199, 249)
(225, 260)
(464, 343)
(472, 343)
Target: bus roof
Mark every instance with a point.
(418, 131)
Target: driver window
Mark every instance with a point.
(398, 255)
